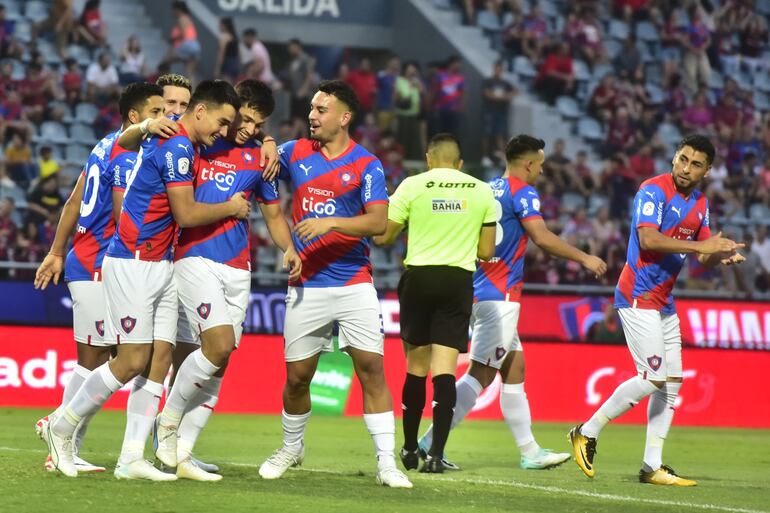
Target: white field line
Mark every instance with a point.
(498, 482)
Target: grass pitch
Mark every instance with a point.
(732, 467)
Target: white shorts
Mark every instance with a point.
(183, 331)
(141, 301)
(212, 294)
(655, 342)
(495, 331)
(311, 313)
(88, 312)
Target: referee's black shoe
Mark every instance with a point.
(410, 459)
(432, 465)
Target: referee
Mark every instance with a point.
(452, 218)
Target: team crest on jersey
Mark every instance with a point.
(345, 178)
(655, 362)
(128, 323)
(247, 156)
(499, 353)
(204, 309)
(100, 328)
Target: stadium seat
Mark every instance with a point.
(669, 133)
(655, 92)
(761, 101)
(443, 4)
(82, 134)
(12, 10)
(76, 154)
(600, 70)
(582, 71)
(523, 67)
(52, 132)
(716, 81)
(618, 30)
(23, 31)
(597, 201)
(571, 201)
(36, 10)
(590, 129)
(763, 6)
(646, 31)
(759, 212)
(762, 81)
(613, 48)
(86, 112)
(80, 54)
(568, 107)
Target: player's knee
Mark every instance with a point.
(657, 384)
(298, 383)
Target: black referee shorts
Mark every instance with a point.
(436, 303)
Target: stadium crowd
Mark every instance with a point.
(632, 76)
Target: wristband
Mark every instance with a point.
(143, 126)
(267, 139)
(55, 254)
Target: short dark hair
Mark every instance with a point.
(135, 95)
(215, 92)
(520, 145)
(443, 138)
(343, 92)
(699, 143)
(256, 95)
(250, 32)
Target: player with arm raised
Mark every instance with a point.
(90, 210)
(495, 343)
(212, 269)
(141, 297)
(670, 220)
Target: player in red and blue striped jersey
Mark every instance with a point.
(495, 344)
(212, 272)
(141, 297)
(670, 220)
(339, 202)
(90, 210)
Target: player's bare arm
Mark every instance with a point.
(554, 245)
(53, 263)
(373, 222)
(281, 235)
(390, 235)
(486, 248)
(650, 239)
(131, 138)
(188, 213)
(722, 257)
(268, 159)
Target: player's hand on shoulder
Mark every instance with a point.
(162, 127)
(51, 268)
(596, 265)
(718, 244)
(312, 227)
(269, 160)
(240, 205)
(293, 263)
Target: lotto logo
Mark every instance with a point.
(321, 208)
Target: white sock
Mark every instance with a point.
(92, 394)
(468, 390)
(80, 431)
(382, 427)
(141, 409)
(625, 397)
(196, 417)
(515, 408)
(79, 375)
(660, 414)
(293, 430)
(192, 376)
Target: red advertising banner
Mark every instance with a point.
(565, 382)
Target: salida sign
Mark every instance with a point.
(565, 382)
(370, 12)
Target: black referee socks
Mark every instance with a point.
(412, 402)
(444, 400)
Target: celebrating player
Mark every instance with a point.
(339, 201)
(670, 220)
(91, 208)
(495, 343)
(141, 296)
(212, 273)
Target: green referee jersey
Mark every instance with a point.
(445, 209)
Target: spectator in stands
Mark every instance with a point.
(498, 94)
(228, 63)
(532, 34)
(550, 205)
(132, 62)
(47, 164)
(409, 92)
(753, 40)
(37, 90)
(674, 99)
(72, 82)
(761, 247)
(556, 76)
(184, 39)
(647, 131)
(44, 200)
(60, 21)
(102, 79)
(718, 174)
(91, 29)
(556, 166)
(259, 57)
(9, 45)
(108, 119)
(364, 82)
(671, 41)
(603, 99)
(468, 11)
(301, 77)
(609, 329)
(28, 248)
(604, 231)
(699, 116)
(742, 279)
(726, 48)
(621, 134)
(18, 161)
(628, 60)
(591, 40)
(449, 97)
(641, 163)
(586, 181)
(367, 134)
(727, 116)
(578, 227)
(386, 86)
(696, 43)
(8, 230)
(619, 184)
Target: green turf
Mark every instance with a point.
(732, 467)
